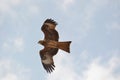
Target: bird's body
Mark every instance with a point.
(51, 45)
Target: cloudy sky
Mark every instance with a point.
(93, 26)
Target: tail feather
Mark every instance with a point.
(60, 45)
(64, 46)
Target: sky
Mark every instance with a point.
(93, 26)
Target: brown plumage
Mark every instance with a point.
(51, 45)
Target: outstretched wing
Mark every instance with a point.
(47, 53)
(47, 58)
(49, 31)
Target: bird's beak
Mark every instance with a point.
(40, 42)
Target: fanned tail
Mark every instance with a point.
(60, 45)
(64, 46)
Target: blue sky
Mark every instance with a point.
(93, 26)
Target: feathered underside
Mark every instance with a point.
(51, 44)
(47, 58)
(49, 31)
(49, 67)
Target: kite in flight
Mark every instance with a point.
(51, 45)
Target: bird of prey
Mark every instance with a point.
(51, 44)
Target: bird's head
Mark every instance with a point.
(42, 42)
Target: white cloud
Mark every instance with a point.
(64, 68)
(7, 8)
(114, 62)
(9, 5)
(88, 14)
(15, 2)
(18, 43)
(15, 9)
(84, 54)
(95, 70)
(10, 70)
(113, 26)
(67, 3)
(10, 76)
(33, 9)
(6, 5)
(14, 44)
